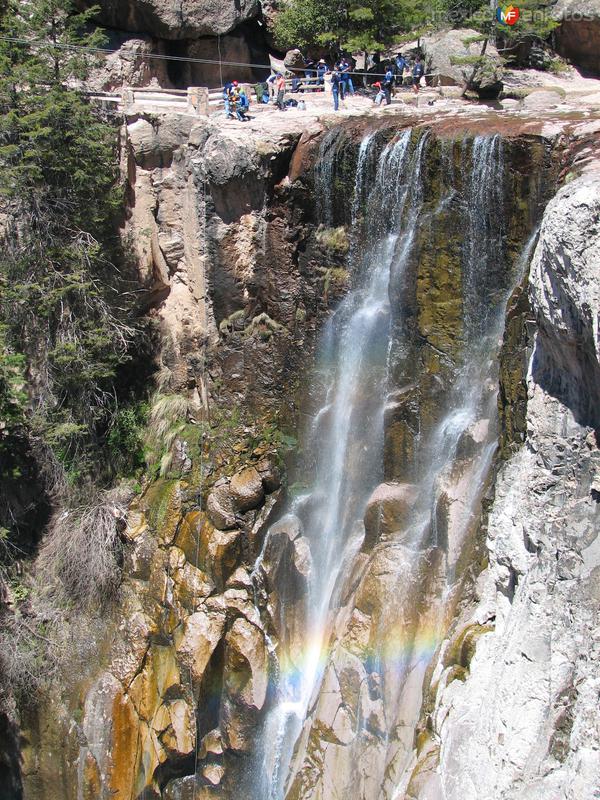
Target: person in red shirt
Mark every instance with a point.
(280, 88)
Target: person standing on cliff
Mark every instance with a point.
(400, 67)
(336, 87)
(280, 88)
(322, 68)
(271, 81)
(346, 69)
(418, 71)
(388, 85)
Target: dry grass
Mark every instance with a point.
(169, 414)
(81, 555)
(54, 632)
(334, 239)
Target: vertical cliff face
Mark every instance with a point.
(458, 243)
(520, 721)
(364, 612)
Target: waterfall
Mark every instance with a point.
(347, 432)
(365, 346)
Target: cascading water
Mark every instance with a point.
(361, 346)
(347, 432)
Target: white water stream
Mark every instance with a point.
(346, 434)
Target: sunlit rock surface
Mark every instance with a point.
(487, 690)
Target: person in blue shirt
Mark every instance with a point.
(400, 67)
(241, 105)
(321, 70)
(346, 69)
(388, 85)
(227, 97)
(418, 71)
(337, 88)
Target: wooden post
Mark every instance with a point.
(127, 97)
(198, 99)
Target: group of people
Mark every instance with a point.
(338, 79)
(394, 76)
(236, 101)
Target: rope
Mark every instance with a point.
(160, 57)
(194, 599)
(220, 61)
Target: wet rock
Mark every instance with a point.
(159, 674)
(213, 773)
(179, 737)
(287, 553)
(201, 634)
(387, 512)
(221, 509)
(191, 586)
(240, 580)
(139, 557)
(246, 664)
(246, 489)
(215, 552)
(211, 745)
(245, 684)
(163, 502)
(187, 788)
(472, 439)
(111, 726)
(441, 48)
(269, 473)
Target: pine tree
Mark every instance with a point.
(64, 310)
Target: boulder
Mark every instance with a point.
(129, 65)
(202, 632)
(246, 664)
(188, 19)
(246, 489)
(269, 473)
(442, 48)
(221, 509)
(294, 59)
(539, 101)
(577, 36)
(387, 511)
(245, 684)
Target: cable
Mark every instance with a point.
(159, 57)
(220, 60)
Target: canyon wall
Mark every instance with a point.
(243, 267)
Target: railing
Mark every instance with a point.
(197, 100)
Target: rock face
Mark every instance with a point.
(188, 20)
(520, 720)
(576, 38)
(464, 667)
(441, 50)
